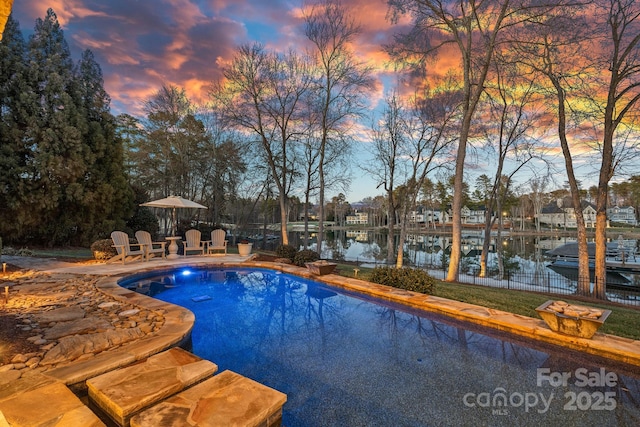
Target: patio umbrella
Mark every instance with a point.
(173, 202)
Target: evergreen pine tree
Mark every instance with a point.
(108, 197)
(60, 156)
(130, 130)
(62, 176)
(16, 107)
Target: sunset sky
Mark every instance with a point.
(143, 44)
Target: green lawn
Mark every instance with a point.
(623, 321)
(79, 253)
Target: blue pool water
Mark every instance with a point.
(349, 360)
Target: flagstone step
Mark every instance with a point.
(124, 392)
(41, 401)
(226, 399)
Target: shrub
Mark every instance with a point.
(304, 256)
(410, 279)
(103, 249)
(286, 251)
(143, 219)
(24, 252)
(8, 250)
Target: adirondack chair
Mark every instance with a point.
(192, 242)
(217, 242)
(150, 247)
(123, 247)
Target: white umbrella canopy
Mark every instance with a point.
(173, 202)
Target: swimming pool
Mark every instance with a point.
(346, 359)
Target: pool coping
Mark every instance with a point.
(618, 349)
(611, 347)
(179, 321)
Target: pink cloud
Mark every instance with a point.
(142, 45)
(66, 10)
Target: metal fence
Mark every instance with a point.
(544, 281)
(549, 283)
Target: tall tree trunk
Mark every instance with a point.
(391, 217)
(283, 219)
(306, 216)
(484, 255)
(456, 223)
(599, 290)
(499, 250)
(606, 171)
(404, 219)
(584, 281)
(321, 198)
(618, 67)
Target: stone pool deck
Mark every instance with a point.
(25, 396)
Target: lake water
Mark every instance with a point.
(369, 246)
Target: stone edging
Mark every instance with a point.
(611, 347)
(179, 322)
(176, 329)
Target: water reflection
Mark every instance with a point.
(344, 360)
(370, 245)
(524, 259)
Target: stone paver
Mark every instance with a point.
(41, 401)
(51, 285)
(227, 399)
(126, 391)
(71, 319)
(63, 314)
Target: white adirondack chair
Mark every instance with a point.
(123, 247)
(192, 242)
(217, 242)
(150, 247)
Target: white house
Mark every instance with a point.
(622, 214)
(416, 217)
(429, 217)
(358, 218)
(473, 216)
(562, 215)
(358, 235)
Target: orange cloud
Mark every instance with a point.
(66, 10)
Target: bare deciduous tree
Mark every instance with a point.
(548, 49)
(262, 94)
(429, 120)
(410, 138)
(509, 134)
(473, 30)
(341, 80)
(620, 56)
(604, 91)
(387, 136)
